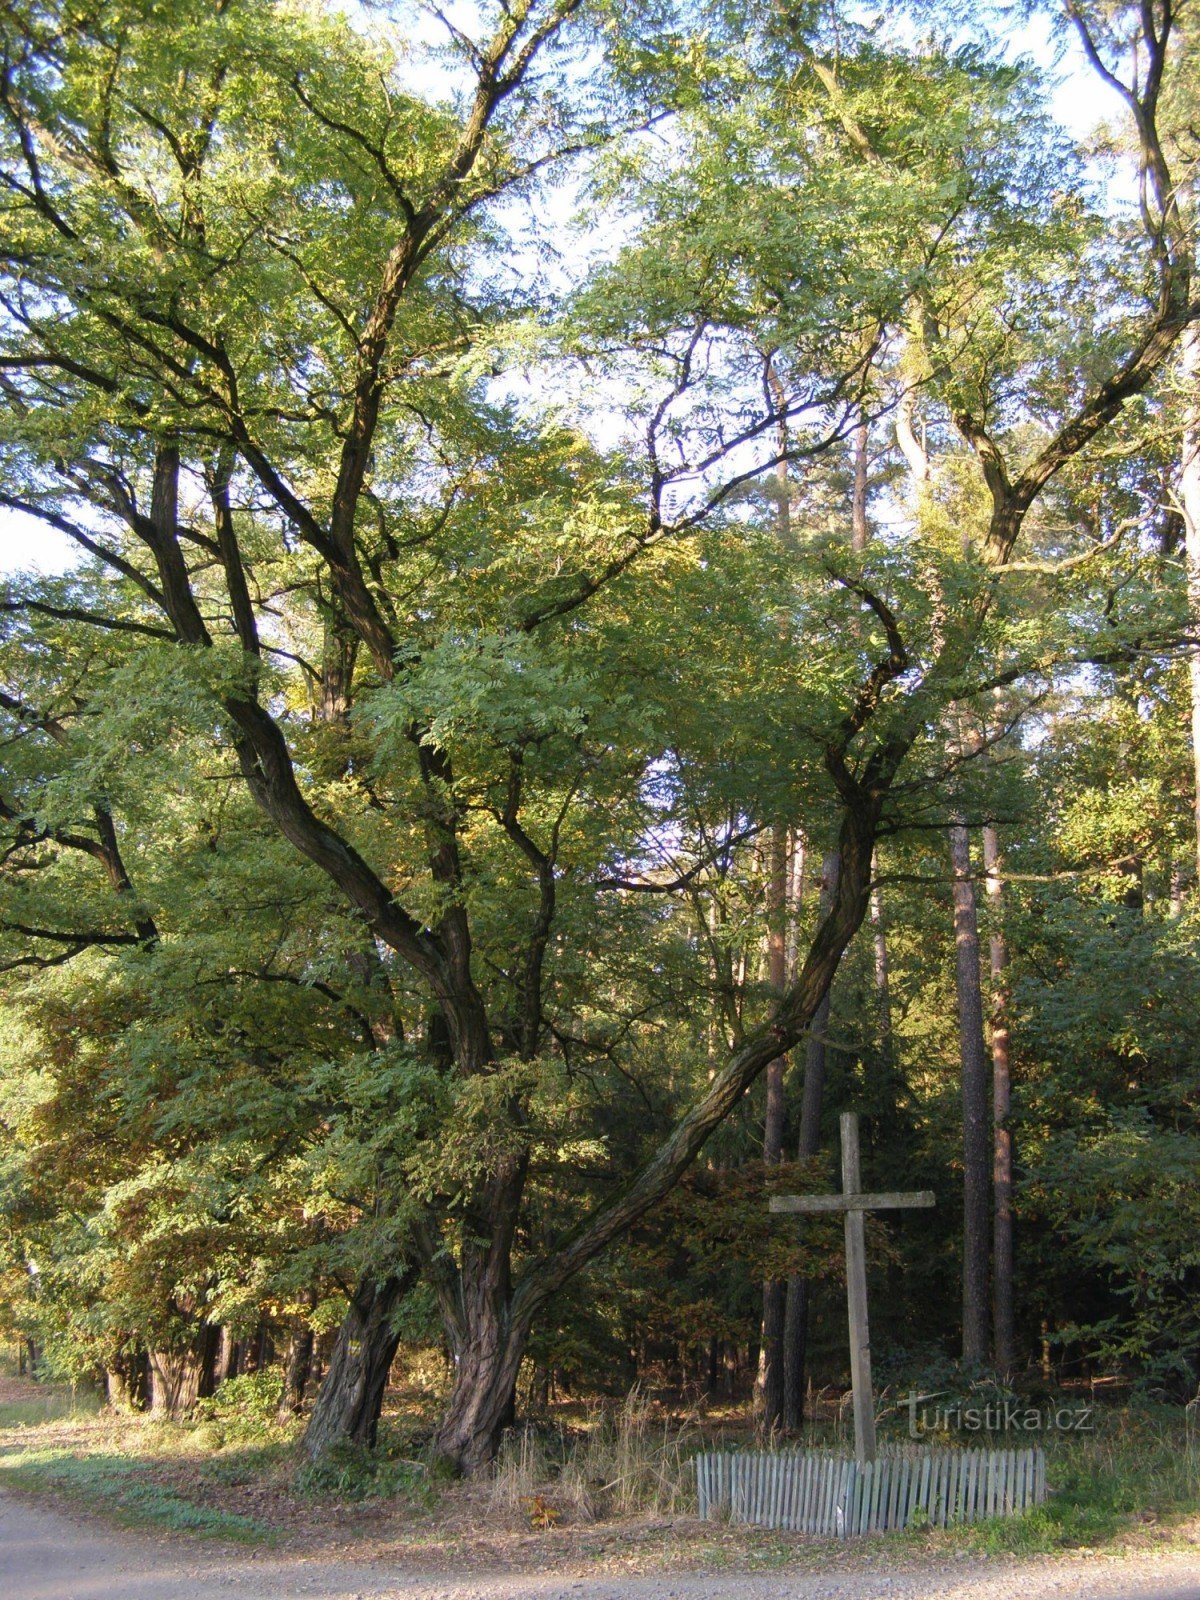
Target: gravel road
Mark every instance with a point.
(45, 1555)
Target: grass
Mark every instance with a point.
(602, 1477)
(53, 1403)
(122, 1489)
(1138, 1468)
(626, 1461)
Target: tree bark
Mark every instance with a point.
(774, 1290)
(859, 528)
(770, 1366)
(976, 1154)
(174, 1382)
(226, 1357)
(297, 1367)
(795, 1321)
(1002, 1152)
(1189, 495)
(351, 1398)
(883, 985)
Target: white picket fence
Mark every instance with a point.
(813, 1491)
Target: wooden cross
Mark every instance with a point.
(854, 1203)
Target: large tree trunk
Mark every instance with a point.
(351, 1397)
(488, 1337)
(795, 1320)
(1002, 1153)
(976, 1152)
(174, 1382)
(484, 1395)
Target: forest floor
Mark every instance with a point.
(46, 1555)
(169, 1510)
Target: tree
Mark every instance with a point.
(256, 344)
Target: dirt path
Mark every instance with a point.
(46, 1555)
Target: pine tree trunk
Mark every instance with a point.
(859, 527)
(1002, 1155)
(1189, 495)
(351, 1397)
(883, 985)
(297, 1367)
(209, 1352)
(226, 1357)
(775, 1291)
(976, 1141)
(795, 1320)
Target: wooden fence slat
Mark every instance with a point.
(853, 1489)
(911, 1471)
(924, 1496)
(826, 1492)
(879, 1495)
(893, 1511)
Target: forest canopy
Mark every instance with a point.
(631, 586)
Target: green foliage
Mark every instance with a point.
(349, 1472)
(1135, 1468)
(440, 885)
(242, 1410)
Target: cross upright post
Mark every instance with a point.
(853, 1203)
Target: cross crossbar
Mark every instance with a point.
(915, 1199)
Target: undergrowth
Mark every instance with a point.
(628, 1460)
(349, 1472)
(1137, 1468)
